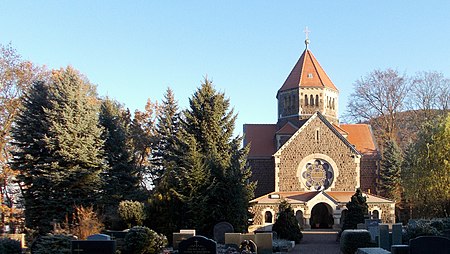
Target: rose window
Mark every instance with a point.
(317, 175)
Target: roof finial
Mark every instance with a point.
(307, 36)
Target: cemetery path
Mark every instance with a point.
(318, 242)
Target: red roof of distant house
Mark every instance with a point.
(360, 135)
(261, 138)
(307, 72)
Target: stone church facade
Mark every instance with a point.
(308, 158)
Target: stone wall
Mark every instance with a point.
(387, 211)
(369, 173)
(263, 171)
(316, 138)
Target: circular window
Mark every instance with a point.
(317, 175)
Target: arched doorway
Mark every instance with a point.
(321, 216)
(299, 217)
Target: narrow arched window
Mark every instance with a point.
(333, 104)
(306, 100)
(311, 98)
(317, 100)
(268, 217)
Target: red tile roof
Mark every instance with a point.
(261, 138)
(300, 74)
(288, 128)
(360, 135)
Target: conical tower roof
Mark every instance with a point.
(307, 72)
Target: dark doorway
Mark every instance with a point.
(321, 216)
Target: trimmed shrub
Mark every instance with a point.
(352, 239)
(10, 246)
(132, 212)
(286, 224)
(51, 244)
(142, 240)
(421, 228)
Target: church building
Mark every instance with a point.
(308, 158)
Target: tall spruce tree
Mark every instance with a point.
(60, 150)
(121, 179)
(390, 169)
(166, 201)
(214, 177)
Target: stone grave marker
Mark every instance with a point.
(233, 239)
(118, 236)
(178, 237)
(188, 231)
(197, 245)
(429, 244)
(264, 241)
(220, 229)
(99, 237)
(93, 247)
(383, 239)
(397, 233)
(372, 227)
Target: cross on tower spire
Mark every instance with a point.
(306, 31)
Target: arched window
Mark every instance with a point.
(333, 104)
(311, 98)
(292, 101)
(268, 217)
(375, 214)
(317, 100)
(306, 100)
(289, 103)
(343, 215)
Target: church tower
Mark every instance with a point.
(307, 89)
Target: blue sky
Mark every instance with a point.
(134, 50)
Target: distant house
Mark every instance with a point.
(308, 158)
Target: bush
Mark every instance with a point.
(10, 246)
(286, 224)
(352, 239)
(132, 212)
(51, 244)
(142, 240)
(421, 228)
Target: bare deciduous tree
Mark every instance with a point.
(377, 98)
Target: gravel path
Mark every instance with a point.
(318, 242)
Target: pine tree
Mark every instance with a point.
(286, 225)
(214, 177)
(390, 169)
(60, 162)
(357, 209)
(121, 179)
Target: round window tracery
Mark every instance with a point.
(317, 174)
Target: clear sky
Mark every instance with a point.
(134, 50)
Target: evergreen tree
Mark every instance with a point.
(214, 179)
(166, 201)
(121, 181)
(286, 225)
(60, 162)
(390, 186)
(357, 209)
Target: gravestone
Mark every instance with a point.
(100, 237)
(118, 236)
(383, 240)
(188, 231)
(179, 237)
(360, 226)
(397, 233)
(429, 244)
(400, 249)
(372, 227)
(220, 229)
(93, 247)
(197, 245)
(264, 241)
(233, 239)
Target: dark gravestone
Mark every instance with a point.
(429, 244)
(99, 237)
(93, 247)
(197, 245)
(118, 236)
(220, 229)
